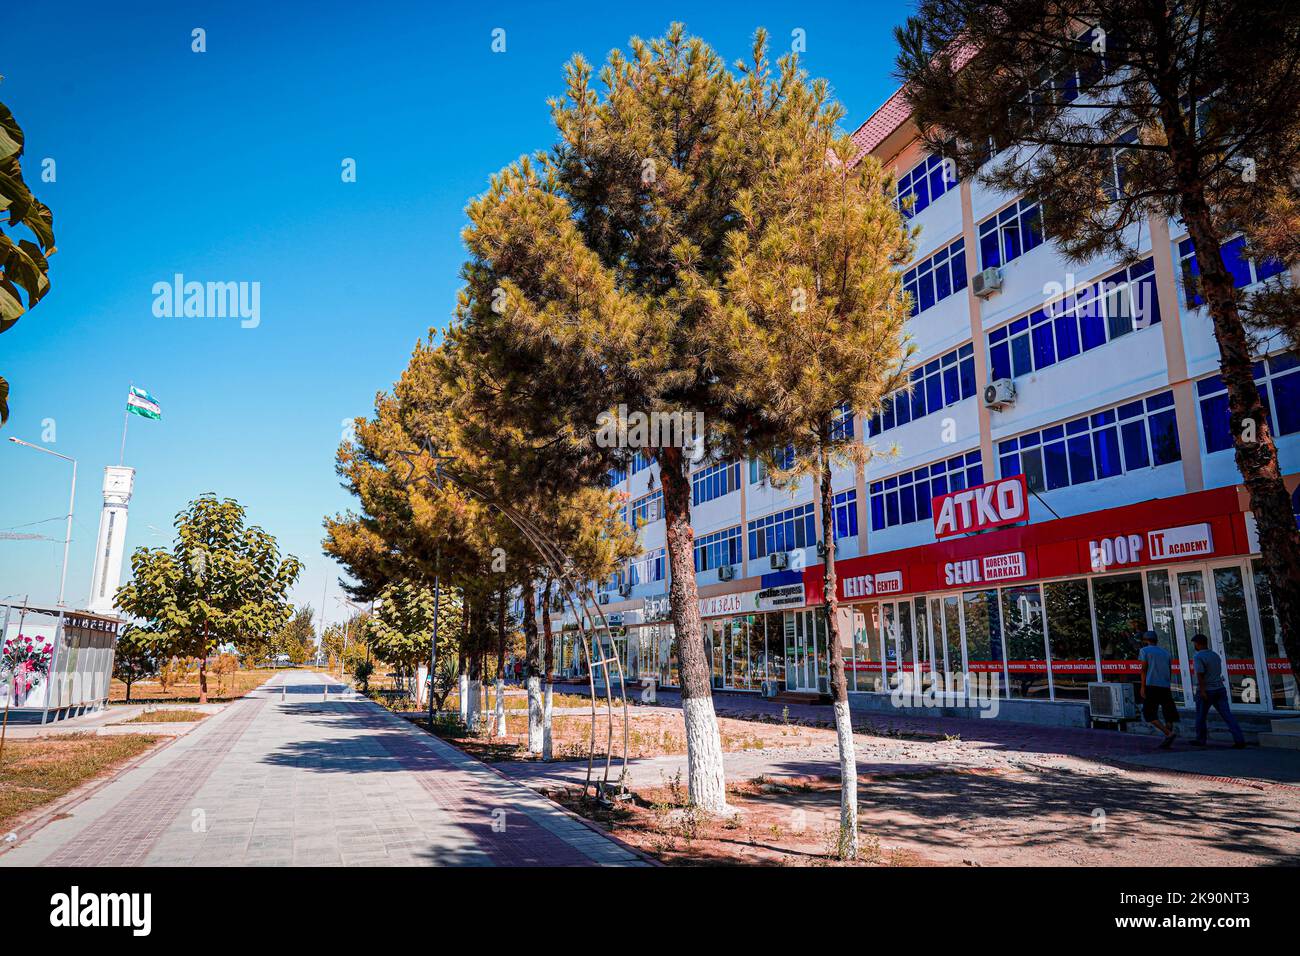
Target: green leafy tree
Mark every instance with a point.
(1115, 112)
(134, 657)
(402, 626)
(24, 266)
(817, 318)
(221, 582)
(297, 639)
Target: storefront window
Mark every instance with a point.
(1234, 626)
(1195, 610)
(1282, 683)
(898, 640)
(1160, 599)
(866, 648)
(1022, 615)
(737, 633)
(955, 677)
(1069, 636)
(925, 652)
(666, 653)
(755, 624)
(716, 645)
(984, 638)
(774, 634)
(1121, 620)
(844, 624)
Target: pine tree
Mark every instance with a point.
(1113, 112)
(816, 316)
(597, 269)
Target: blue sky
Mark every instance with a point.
(225, 166)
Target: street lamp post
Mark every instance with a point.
(433, 644)
(72, 499)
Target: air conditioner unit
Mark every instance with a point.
(823, 685)
(987, 282)
(821, 549)
(604, 598)
(780, 560)
(1108, 701)
(726, 572)
(625, 589)
(770, 688)
(1000, 393)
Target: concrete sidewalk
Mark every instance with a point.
(318, 776)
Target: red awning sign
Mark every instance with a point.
(990, 505)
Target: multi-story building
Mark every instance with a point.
(1097, 383)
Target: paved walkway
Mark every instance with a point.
(287, 777)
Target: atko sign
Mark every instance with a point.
(980, 507)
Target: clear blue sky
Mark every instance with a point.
(225, 166)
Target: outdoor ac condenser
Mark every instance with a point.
(985, 283)
(1111, 701)
(726, 572)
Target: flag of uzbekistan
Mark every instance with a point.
(142, 403)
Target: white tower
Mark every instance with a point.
(118, 484)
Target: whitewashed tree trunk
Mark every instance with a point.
(462, 687)
(704, 770)
(848, 781)
(501, 707)
(534, 714)
(548, 751)
(475, 704)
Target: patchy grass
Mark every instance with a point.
(35, 772)
(187, 691)
(650, 733)
(772, 822)
(168, 716)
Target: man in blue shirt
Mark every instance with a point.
(1211, 692)
(1157, 671)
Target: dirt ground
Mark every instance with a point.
(968, 817)
(652, 733)
(150, 691)
(924, 800)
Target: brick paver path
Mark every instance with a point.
(285, 777)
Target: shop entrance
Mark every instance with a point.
(805, 651)
(1215, 600)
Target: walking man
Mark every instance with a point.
(1211, 692)
(1157, 671)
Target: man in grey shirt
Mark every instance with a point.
(1211, 692)
(1157, 671)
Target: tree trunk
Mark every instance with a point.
(532, 650)
(501, 663)
(203, 664)
(1279, 540)
(706, 783)
(549, 650)
(847, 844)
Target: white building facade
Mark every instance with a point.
(1104, 396)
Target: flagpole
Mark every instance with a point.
(126, 418)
